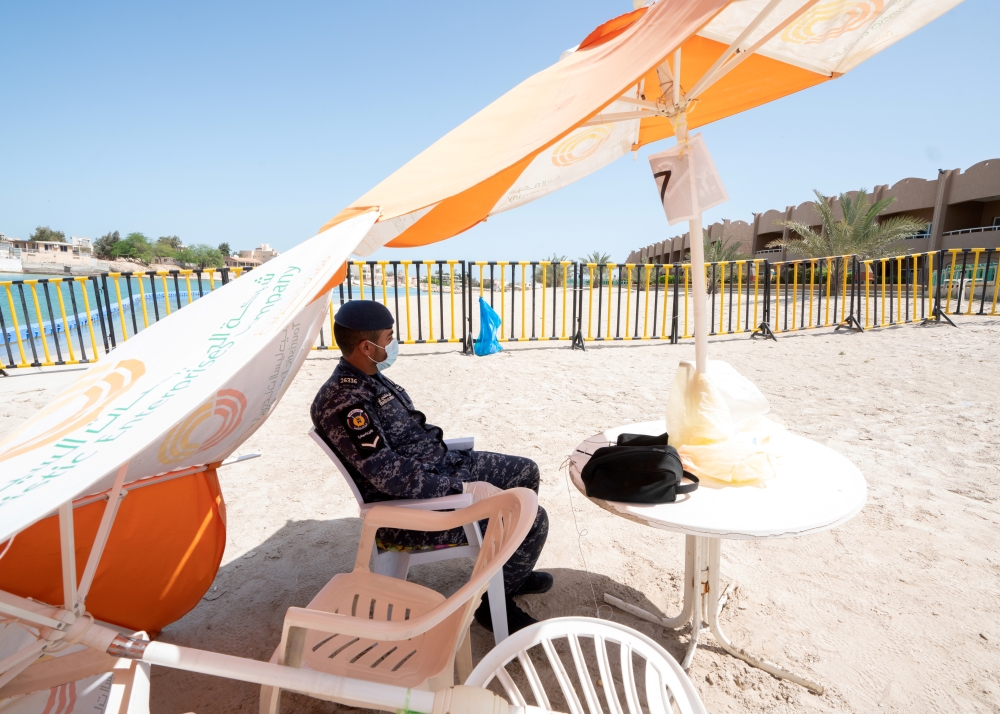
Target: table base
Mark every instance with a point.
(703, 602)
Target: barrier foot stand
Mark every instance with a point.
(937, 314)
(851, 323)
(577, 343)
(763, 330)
(3, 373)
(467, 346)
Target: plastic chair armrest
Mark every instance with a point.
(461, 443)
(442, 503)
(335, 623)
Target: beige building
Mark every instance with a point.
(241, 262)
(262, 253)
(962, 208)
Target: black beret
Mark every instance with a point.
(364, 315)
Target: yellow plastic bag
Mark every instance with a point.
(716, 421)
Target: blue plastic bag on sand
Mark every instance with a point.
(489, 327)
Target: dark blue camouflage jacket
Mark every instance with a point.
(387, 444)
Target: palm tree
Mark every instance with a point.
(719, 251)
(600, 259)
(860, 232)
(553, 272)
(596, 257)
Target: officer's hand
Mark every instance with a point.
(480, 490)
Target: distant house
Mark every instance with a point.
(241, 262)
(262, 253)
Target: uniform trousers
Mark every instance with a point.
(503, 471)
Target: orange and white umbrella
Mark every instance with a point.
(167, 406)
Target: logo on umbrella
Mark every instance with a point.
(580, 145)
(830, 20)
(80, 404)
(205, 427)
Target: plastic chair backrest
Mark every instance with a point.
(511, 515)
(581, 645)
(342, 467)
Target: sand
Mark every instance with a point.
(895, 610)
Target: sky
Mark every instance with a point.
(252, 123)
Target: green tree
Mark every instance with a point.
(554, 272)
(166, 247)
(104, 245)
(225, 250)
(204, 256)
(600, 259)
(46, 233)
(724, 250)
(596, 257)
(135, 246)
(172, 241)
(860, 232)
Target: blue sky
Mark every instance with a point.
(256, 122)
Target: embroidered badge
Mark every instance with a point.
(357, 419)
(363, 434)
(385, 399)
(348, 380)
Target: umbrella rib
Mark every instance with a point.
(708, 80)
(733, 47)
(619, 116)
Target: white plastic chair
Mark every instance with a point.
(396, 564)
(388, 631)
(583, 642)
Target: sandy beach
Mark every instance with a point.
(895, 610)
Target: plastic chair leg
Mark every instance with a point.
(385, 564)
(270, 698)
(402, 566)
(463, 658)
(498, 608)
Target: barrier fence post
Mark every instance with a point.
(764, 327)
(52, 321)
(986, 280)
(851, 322)
(937, 314)
(62, 311)
(577, 341)
(674, 324)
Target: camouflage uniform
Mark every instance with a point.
(392, 452)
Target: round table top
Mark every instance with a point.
(816, 489)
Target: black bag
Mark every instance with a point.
(639, 469)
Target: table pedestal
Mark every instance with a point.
(702, 602)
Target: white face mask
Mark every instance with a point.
(391, 352)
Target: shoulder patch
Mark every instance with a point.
(365, 437)
(348, 380)
(385, 399)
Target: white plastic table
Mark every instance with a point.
(816, 489)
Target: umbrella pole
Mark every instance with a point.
(698, 287)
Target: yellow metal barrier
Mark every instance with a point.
(121, 310)
(90, 322)
(17, 329)
(62, 311)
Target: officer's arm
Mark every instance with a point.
(357, 434)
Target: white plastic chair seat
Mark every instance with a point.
(584, 644)
(376, 597)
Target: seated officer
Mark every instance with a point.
(392, 452)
